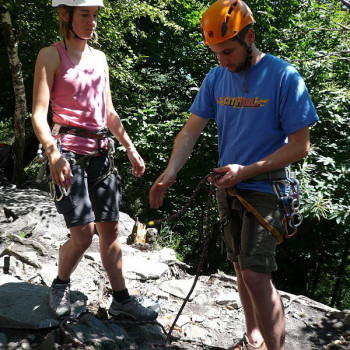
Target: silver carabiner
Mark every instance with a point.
(52, 190)
(295, 205)
(65, 191)
(296, 223)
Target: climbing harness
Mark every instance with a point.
(232, 192)
(286, 188)
(57, 192)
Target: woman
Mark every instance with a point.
(74, 78)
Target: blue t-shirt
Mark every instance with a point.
(254, 124)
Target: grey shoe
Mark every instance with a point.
(133, 308)
(60, 299)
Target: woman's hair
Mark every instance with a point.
(64, 26)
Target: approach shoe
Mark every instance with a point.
(132, 308)
(243, 344)
(60, 299)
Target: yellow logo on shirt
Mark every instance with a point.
(242, 102)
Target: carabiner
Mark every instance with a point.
(52, 190)
(296, 223)
(295, 205)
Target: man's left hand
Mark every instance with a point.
(231, 175)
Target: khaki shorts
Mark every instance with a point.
(247, 242)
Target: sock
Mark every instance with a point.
(121, 295)
(57, 280)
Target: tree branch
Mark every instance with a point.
(338, 54)
(346, 3)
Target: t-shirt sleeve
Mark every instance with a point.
(203, 105)
(296, 109)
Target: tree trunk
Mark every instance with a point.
(20, 97)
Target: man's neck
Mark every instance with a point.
(257, 55)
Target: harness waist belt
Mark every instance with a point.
(278, 174)
(76, 131)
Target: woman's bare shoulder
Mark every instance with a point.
(49, 55)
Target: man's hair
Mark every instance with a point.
(241, 35)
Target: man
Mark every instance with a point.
(258, 102)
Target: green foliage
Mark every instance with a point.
(157, 63)
(6, 131)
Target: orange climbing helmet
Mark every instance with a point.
(225, 19)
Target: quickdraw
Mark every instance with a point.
(58, 192)
(290, 203)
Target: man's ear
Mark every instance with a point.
(250, 36)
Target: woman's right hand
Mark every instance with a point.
(60, 169)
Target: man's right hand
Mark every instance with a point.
(156, 194)
(60, 170)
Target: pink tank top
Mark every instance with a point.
(78, 99)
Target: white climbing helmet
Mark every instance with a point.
(77, 2)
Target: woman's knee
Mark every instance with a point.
(81, 236)
(108, 230)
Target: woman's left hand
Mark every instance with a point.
(138, 165)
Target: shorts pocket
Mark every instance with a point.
(65, 205)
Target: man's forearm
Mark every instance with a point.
(296, 149)
(183, 147)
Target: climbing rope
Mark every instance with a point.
(188, 203)
(74, 342)
(213, 177)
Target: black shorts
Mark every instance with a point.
(99, 203)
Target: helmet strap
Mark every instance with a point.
(249, 49)
(249, 55)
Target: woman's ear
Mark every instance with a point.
(63, 14)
